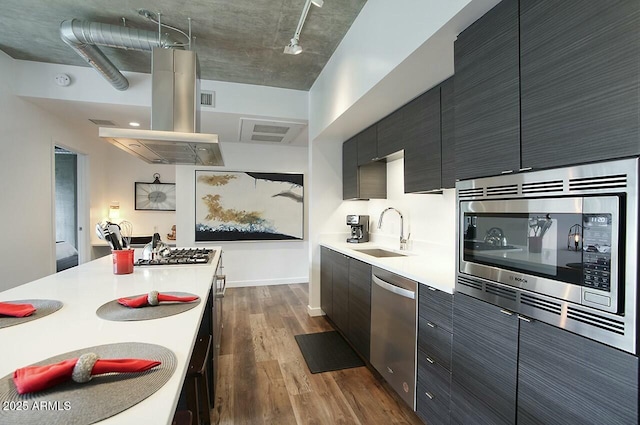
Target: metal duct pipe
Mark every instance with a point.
(83, 36)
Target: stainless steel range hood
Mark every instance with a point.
(173, 138)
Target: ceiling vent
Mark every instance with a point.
(266, 131)
(102, 122)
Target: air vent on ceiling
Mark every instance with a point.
(602, 182)
(264, 131)
(102, 123)
(470, 193)
(535, 302)
(207, 98)
(511, 189)
(597, 320)
(542, 187)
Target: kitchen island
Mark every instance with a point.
(83, 290)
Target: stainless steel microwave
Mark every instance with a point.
(558, 245)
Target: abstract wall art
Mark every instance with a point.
(237, 206)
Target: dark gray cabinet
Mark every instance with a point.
(487, 94)
(334, 272)
(580, 81)
(366, 181)
(345, 297)
(542, 84)
(508, 369)
(350, 169)
(484, 363)
(391, 133)
(422, 147)
(564, 378)
(326, 281)
(447, 128)
(359, 332)
(434, 355)
(367, 142)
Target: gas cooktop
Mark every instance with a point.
(181, 256)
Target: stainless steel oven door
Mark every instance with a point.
(566, 248)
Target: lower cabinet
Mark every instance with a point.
(359, 330)
(434, 355)
(508, 369)
(345, 297)
(565, 378)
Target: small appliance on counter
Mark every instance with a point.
(359, 228)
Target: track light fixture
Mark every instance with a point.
(294, 48)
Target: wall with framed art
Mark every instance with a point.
(242, 206)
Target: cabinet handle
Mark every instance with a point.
(430, 361)
(507, 312)
(431, 325)
(389, 369)
(431, 289)
(506, 172)
(526, 319)
(525, 169)
(429, 395)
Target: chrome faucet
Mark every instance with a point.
(403, 241)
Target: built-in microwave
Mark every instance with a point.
(558, 245)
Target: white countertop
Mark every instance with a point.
(433, 265)
(83, 289)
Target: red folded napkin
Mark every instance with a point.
(16, 310)
(37, 378)
(153, 299)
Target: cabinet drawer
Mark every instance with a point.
(435, 342)
(436, 307)
(433, 392)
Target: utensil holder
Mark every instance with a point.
(535, 244)
(122, 261)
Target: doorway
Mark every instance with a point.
(69, 208)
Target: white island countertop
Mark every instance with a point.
(83, 290)
(433, 265)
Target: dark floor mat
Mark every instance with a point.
(326, 351)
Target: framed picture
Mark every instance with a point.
(155, 196)
(236, 206)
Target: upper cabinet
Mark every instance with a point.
(367, 142)
(447, 137)
(422, 150)
(487, 99)
(423, 130)
(366, 181)
(391, 133)
(579, 77)
(542, 84)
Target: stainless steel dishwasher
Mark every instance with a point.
(393, 331)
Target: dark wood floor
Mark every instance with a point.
(264, 379)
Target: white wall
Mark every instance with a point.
(259, 262)
(26, 171)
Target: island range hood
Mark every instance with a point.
(175, 108)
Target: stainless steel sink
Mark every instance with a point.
(377, 252)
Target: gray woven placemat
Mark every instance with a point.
(83, 404)
(43, 308)
(119, 313)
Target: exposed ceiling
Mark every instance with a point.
(238, 41)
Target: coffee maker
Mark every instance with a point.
(359, 228)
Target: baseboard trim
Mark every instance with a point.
(267, 282)
(314, 311)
